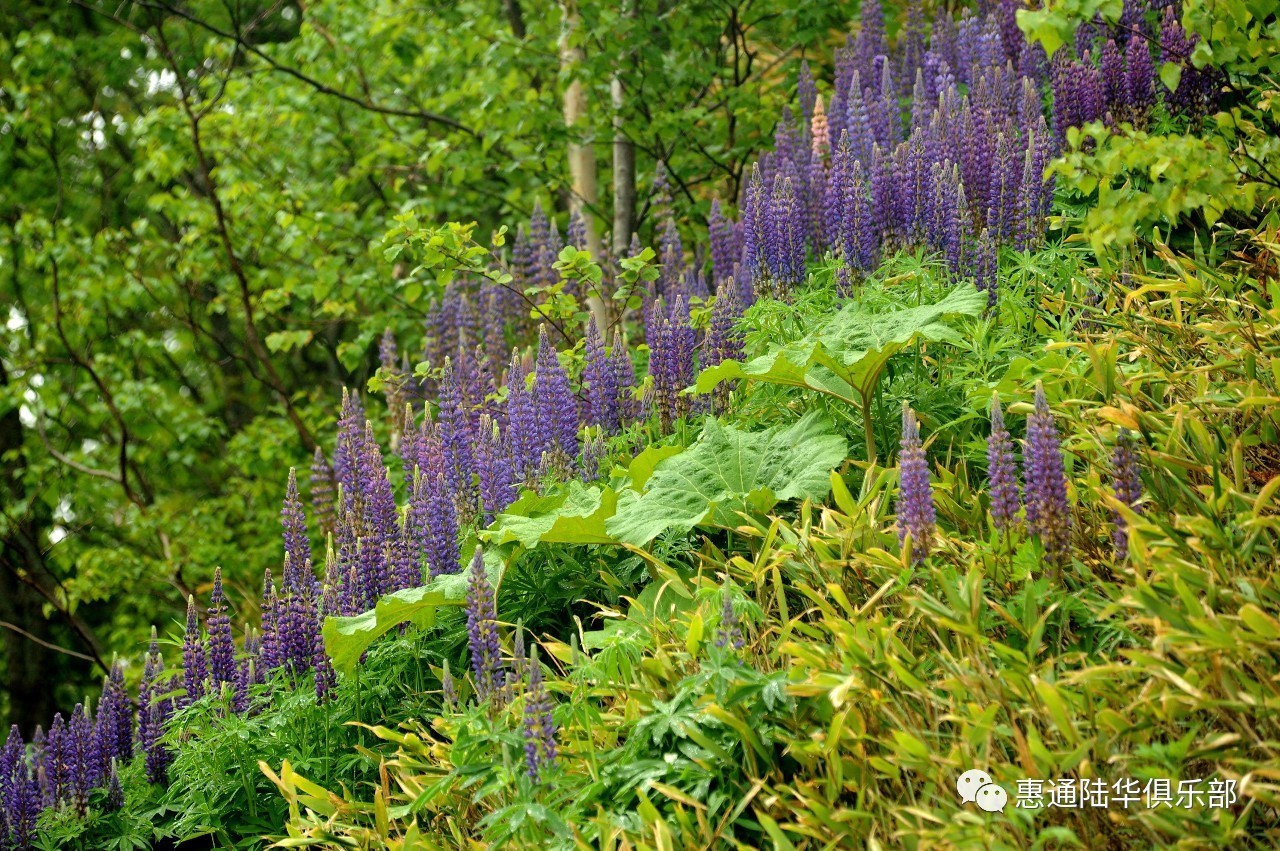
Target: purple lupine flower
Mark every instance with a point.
(1139, 75)
(861, 137)
(81, 756)
(916, 514)
(297, 615)
(496, 309)
(441, 546)
(297, 544)
(115, 716)
(1027, 226)
(577, 233)
(493, 464)
(270, 624)
(1048, 511)
(624, 378)
(23, 805)
(661, 188)
(195, 661)
(115, 795)
(844, 282)
(916, 192)
(786, 231)
(806, 91)
(672, 365)
(593, 449)
(724, 340)
(1003, 207)
(522, 420)
(153, 711)
(949, 214)
(19, 796)
(482, 629)
(600, 384)
(455, 431)
(55, 784)
(393, 378)
(883, 190)
(724, 243)
(1115, 86)
(380, 523)
(755, 222)
(1127, 480)
(729, 631)
(12, 756)
(1011, 39)
(871, 42)
(1002, 472)
(556, 407)
(671, 256)
(347, 446)
(857, 235)
(222, 647)
(1176, 47)
(882, 105)
(13, 767)
(322, 491)
(539, 725)
(247, 671)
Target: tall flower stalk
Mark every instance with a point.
(1048, 512)
(916, 514)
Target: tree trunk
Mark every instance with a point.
(624, 174)
(582, 157)
(29, 678)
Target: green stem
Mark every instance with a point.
(868, 429)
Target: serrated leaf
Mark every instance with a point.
(1171, 75)
(713, 480)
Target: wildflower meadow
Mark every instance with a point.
(641, 425)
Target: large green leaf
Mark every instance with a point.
(568, 516)
(728, 471)
(346, 639)
(845, 355)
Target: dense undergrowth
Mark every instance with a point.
(903, 488)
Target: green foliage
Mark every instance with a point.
(347, 638)
(1148, 179)
(573, 514)
(845, 356)
(670, 490)
(725, 472)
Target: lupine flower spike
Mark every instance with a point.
(1128, 485)
(729, 632)
(195, 663)
(482, 630)
(1048, 512)
(916, 514)
(222, 649)
(539, 725)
